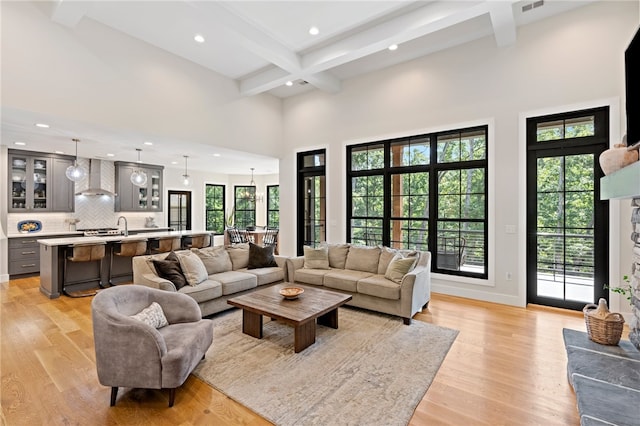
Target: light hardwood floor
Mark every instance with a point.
(507, 367)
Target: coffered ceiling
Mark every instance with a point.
(265, 44)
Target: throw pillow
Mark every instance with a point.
(386, 256)
(316, 258)
(363, 258)
(215, 259)
(399, 267)
(261, 257)
(152, 315)
(239, 254)
(170, 269)
(192, 268)
(338, 255)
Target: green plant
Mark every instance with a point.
(625, 289)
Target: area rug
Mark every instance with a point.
(372, 370)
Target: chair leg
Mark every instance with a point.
(172, 396)
(114, 394)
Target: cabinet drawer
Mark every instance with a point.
(24, 242)
(22, 253)
(24, 266)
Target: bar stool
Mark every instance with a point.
(128, 248)
(164, 244)
(197, 241)
(78, 253)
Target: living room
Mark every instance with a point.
(568, 62)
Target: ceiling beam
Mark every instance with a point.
(69, 13)
(503, 22)
(428, 19)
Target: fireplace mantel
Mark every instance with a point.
(624, 183)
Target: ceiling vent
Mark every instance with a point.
(531, 6)
(303, 82)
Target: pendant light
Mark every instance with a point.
(76, 173)
(253, 196)
(139, 176)
(185, 176)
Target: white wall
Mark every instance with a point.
(97, 75)
(573, 58)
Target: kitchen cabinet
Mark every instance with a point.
(132, 198)
(24, 256)
(37, 182)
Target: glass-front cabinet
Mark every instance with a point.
(37, 182)
(138, 198)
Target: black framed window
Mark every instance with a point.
(425, 192)
(245, 206)
(214, 213)
(273, 206)
(311, 199)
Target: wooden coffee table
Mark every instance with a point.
(301, 313)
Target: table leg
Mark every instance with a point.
(304, 336)
(330, 319)
(252, 324)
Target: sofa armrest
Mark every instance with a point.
(293, 264)
(416, 285)
(282, 263)
(154, 281)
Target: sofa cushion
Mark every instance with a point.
(215, 259)
(267, 275)
(235, 281)
(203, 292)
(261, 257)
(311, 276)
(399, 267)
(386, 255)
(316, 258)
(152, 315)
(362, 258)
(379, 286)
(192, 267)
(338, 255)
(239, 254)
(344, 279)
(170, 269)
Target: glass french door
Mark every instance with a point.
(567, 224)
(311, 199)
(180, 210)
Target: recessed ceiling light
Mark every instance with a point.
(314, 31)
(148, 143)
(216, 155)
(42, 125)
(198, 38)
(289, 83)
(110, 155)
(59, 152)
(174, 162)
(393, 47)
(20, 143)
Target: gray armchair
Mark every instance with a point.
(130, 353)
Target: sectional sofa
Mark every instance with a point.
(396, 282)
(212, 274)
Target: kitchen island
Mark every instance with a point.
(54, 250)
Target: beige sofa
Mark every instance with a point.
(364, 273)
(227, 275)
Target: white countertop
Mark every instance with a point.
(52, 242)
(72, 233)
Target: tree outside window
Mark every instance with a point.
(273, 206)
(214, 214)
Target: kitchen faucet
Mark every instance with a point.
(126, 227)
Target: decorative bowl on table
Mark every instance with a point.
(291, 293)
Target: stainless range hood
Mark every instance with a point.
(96, 185)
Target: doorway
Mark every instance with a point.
(179, 216)
(567, 223)
(311, 200)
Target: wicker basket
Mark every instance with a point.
(603, 326)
